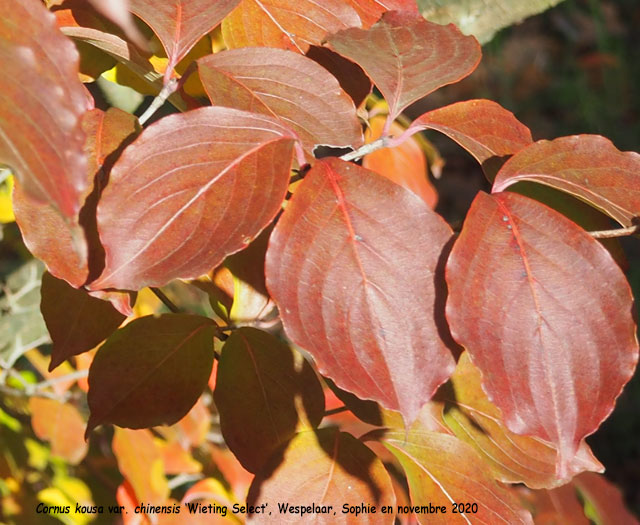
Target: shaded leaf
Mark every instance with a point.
(606, 498)
(405, 164)
(151, 371)
(479, 17)
(545, 313)
(407, 57)
(21, 324)
(370, 11)
(322, 468)
(512, 458)
(353, 266)
(482, 127)
(42, 101)
(118, 12)
(301, 94)
(264, 394)
(76, 321)
(62, 425)
(287, 24)
(179, 24)
(140, 462)
(350, 75)
(181, 185)
(587, 166)
(559, 506)
(441, 470)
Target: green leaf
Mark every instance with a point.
(264, 394)
(151, 372)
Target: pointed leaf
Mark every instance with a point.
(606, 498)
(482, 127)
(179, 24)
(76, 321)
(370, 11)
(151, 372)
(350, 75)
(405, 164)
(587, 166)
(323, 468)
(301, 94)
(408, 57)
(353, 265)
(287, 24)
(442, 470)
(140, 462)
(512, 458)
(42, 101)
(263, 395)
(196, 187)
(62, 425)
(545, 313)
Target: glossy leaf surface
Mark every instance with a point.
(353, 267)
(42, 102)
(151, 371)
(482, 127)
(61, 425)
(405, 164)
(545, 313)
(287, 24)
(587, 166)
(408, 57)
(264, 393)
(301, 94)
(179, 24)
(511, 458)
(196, 187)
(441, 470)
(326, 467)
(76, 321)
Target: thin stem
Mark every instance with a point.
(167, 90)
(382, 142)
(16, 392)
(618, 232)
(165, 300)
(73, 376)
(336, 411)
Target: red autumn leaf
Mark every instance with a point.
(323, 468)
(196, 187)
(353, 265)
(545, 313)
(301, 94)
(179, 24)
(62, 425)
(140, 462)
(408, 57)
(59, 243)
(482, 127)
(121, 301)
(76, 321)
(406, 164)
(606, 498)
(351, 77)
(126, 497)
(443, 471)
(287, 24)
(587, 166)
(41, 107)
(263, 395)
(510, 457)
(557, 506)
(118, 12)
(370, 11)
(151, 371)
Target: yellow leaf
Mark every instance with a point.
(6, 209)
